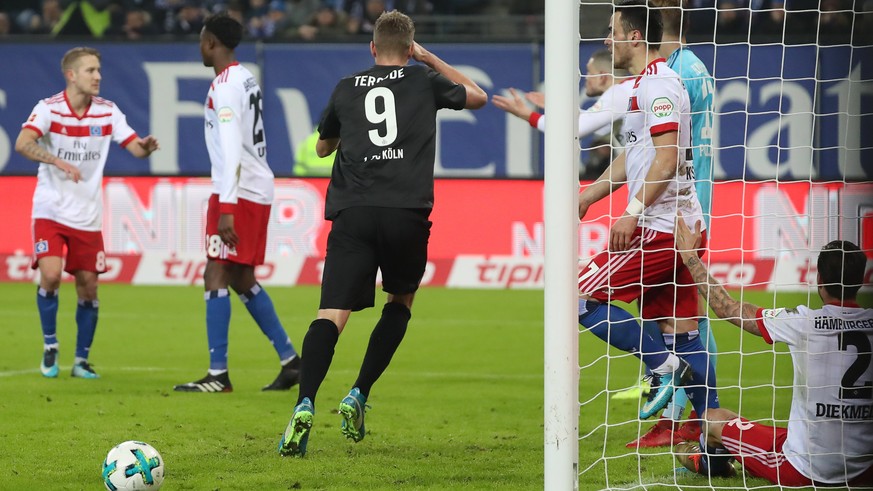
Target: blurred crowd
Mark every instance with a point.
(264, 19)
(800, 21)
(791, 21)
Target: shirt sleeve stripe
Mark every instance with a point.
(129, 139)
(663, 128)
(34, 128)
(759, 319)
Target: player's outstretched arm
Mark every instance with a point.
(26, 144)
(143, 147)
(538, 99)
(476, 97)
(741, 314)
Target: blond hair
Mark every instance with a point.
(393, 33)
(71, 58)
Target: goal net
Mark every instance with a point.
(791, 141)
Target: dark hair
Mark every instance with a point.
(673, 20)
(841, 267)
(637, 16)
(225, 28)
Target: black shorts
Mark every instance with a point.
(363, 240)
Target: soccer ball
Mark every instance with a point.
(133, 465)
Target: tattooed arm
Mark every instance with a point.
(741, 314)
(29, 148)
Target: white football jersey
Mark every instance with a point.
(830, 426)
(235, 138)
(84, 142)
(599, 119)
(659, 103)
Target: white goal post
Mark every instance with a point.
(561, 333)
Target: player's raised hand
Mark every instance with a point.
(538, 99)
(418, 52)
(513, 104)
(69, 169)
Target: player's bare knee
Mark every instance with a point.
(337, 316)
(50, 281)
(404, 299)
(215, 276)
(241, 278)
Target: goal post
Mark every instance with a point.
(561, 370)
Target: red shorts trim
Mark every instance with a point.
(650, 271)
(759, 448)
(84, 248)
(250, 221)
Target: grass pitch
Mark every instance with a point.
(460, 407)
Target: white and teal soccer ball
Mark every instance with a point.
(133, 465)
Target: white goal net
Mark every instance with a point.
(791, 142)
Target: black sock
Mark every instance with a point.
(384, 340)
(318, 348)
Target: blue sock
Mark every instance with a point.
(86, 320)
(217, 326)
(618, 328)
(701, 392)
(47, 304)
(676, 408)
(652, 328)
(261, 308)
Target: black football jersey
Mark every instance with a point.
(385, 118)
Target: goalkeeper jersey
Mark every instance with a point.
(830, 425)
(605, 116)
(700, 87)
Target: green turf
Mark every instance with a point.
(459, 408)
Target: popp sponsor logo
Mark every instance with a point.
(662, 107)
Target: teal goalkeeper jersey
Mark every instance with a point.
(700, 86)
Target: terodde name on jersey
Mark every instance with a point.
(369, 80)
